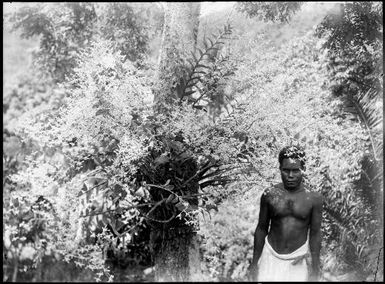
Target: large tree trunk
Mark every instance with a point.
(181, 21)
(176, 249)
(177, 257)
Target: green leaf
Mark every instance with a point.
(206, 43)
(179, 91)
(200, 107)
(176, 199)
(213, 48)
(189, 93)
(200, 72)
(208, 207)
(286, 131)
(200, 53)
(170, 198)
(105, 111)
(194, 57)
(162, 159)
(181, 206)
(191, 62)
(199, 78)
(201, 66)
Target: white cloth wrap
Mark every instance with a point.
(273, 266)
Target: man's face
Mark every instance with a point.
(291, 173)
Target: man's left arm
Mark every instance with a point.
(315, 236)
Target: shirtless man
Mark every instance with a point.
(289, 225)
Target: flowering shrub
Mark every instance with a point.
(102, 169)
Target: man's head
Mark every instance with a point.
(291, 164)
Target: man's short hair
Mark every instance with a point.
(292, 152)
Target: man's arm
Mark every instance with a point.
(259, 235)
(315, 237)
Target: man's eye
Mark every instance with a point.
(297, 171)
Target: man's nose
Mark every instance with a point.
(290, 173)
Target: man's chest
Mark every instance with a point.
(298, 205)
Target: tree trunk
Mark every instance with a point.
(176, 249)
(179, 39)
(177, 257)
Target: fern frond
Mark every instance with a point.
(363, 106)
(199, 64)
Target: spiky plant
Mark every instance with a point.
(205, 64)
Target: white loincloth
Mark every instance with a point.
(273, 266)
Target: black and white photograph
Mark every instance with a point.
(193, 141)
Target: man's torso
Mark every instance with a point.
(290, 215)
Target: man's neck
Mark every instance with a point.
(295, 189)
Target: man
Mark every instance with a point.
(289, 226)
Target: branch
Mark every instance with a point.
(117, 234)
(218, 181)
(199, 173)
(216, 172)
(120, 208)
(92, 188)
(162, 221)
(153, 208)
(161, 187)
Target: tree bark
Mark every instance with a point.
(181, 21)
(176, 249)
(177, 257)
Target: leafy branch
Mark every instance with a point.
(201, 65)
(363, 106)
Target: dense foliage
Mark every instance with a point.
(89, 169)
(353, 39)
(353, 44)
(65, 28)
(308, 119)
(353, 58)
(103, 117)
(270, 11)
(62, 29)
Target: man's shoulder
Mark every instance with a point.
(272, 192)
(272, 188)
(316, 197)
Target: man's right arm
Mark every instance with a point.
(260, 235)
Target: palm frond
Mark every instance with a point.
(200, 64)
(365, 106)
